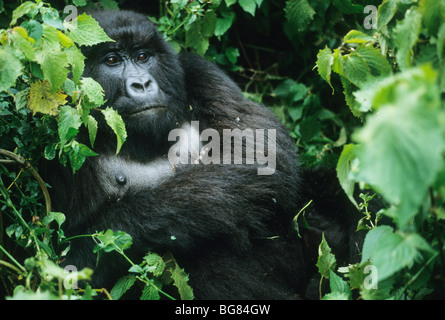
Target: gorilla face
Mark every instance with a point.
(141, 75)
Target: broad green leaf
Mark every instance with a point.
(20, 11)
(355, 36)
(195, 39)
(208, 24)
(76, 60)
(291, 90)
(93, 91)
(349, 90)
(180, 279)
(299, 13)
(21, 41)
(394, 251)
(69, 124)
(340, 289)
(232, 54)
(326, 260)
(344, 171)
(325, 60)
(42, 99)
(10, 67)
(405, 36)
(376, 62)
(347, 7)
(113, 241)
(150, 293)
(85, 31)
(433, 14)
(34, 28)
(114, 120)
(372, 240)
(122, 285)
(50, 152)
(55, 216)
(394, 157)
(356, 69)
(223, 24)
(51, 17)
(53, 61)
(248, 6)
(155, 264)
(385, 13)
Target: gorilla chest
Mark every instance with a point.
(116, 175)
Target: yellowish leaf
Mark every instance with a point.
(42, 100)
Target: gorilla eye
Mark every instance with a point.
(142, 56)
(112, 60)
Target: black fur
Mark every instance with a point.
(232, 228)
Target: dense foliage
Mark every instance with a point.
(358, 83)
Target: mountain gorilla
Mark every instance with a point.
(227, 225)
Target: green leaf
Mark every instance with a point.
(69, 124)
(113, 241)
(325, 60)
(385, 13)
(223, 24)
(76, 60)
(347, 7)
(355, 68)
(208, 24)
(299, 13)
(92, 129)
(376, 62)
(122, 285)
(52, 60)
(326, 260)
(195, 39)
(10, 67)
(248, 6)
(344, 171)
(51, 17)
(93, 91)
(85, 31)
(394, 157)
(405, 36)
(21, 41)
(114, 120)
(150, 293)
(433, 14)
(20, 11)
(155, 264)
(372, 241)
(34, 28)
(339, 287)
(392, 252)
(180, 279)
(291, 90)
(55, 216)
(358, 37)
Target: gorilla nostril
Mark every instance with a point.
(140, 87)
(137, 87)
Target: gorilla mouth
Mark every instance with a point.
(144, 109)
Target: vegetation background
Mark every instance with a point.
(360, 85)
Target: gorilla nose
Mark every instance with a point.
(142, 88)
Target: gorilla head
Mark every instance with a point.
(141, 75)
